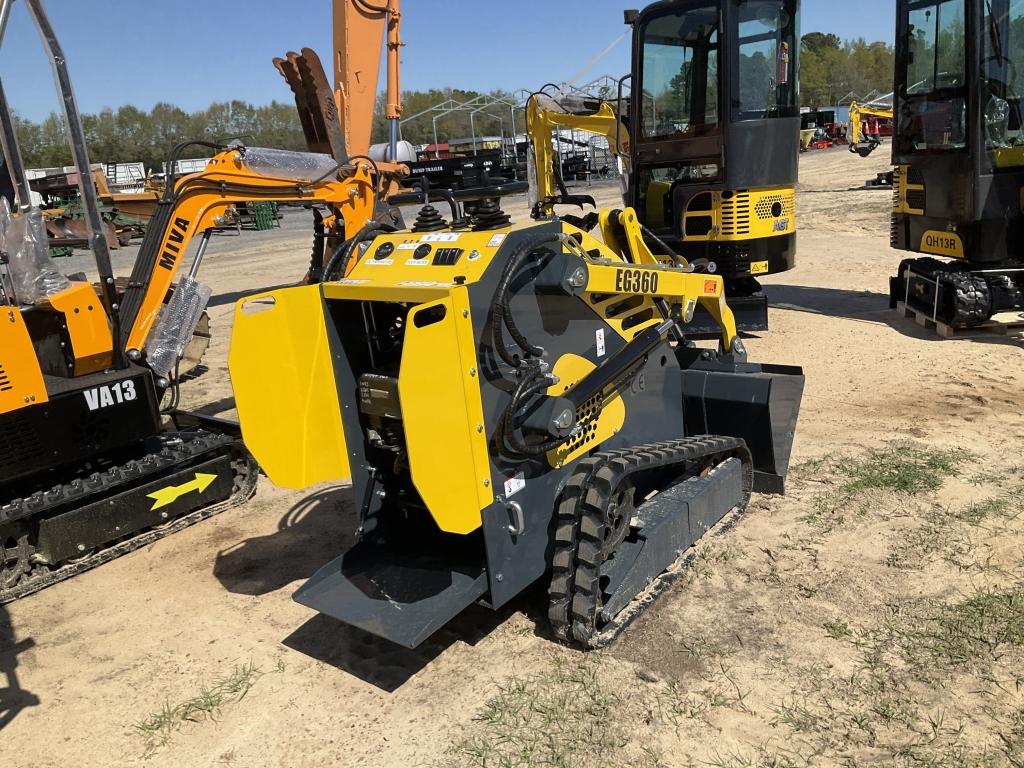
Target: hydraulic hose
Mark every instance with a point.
(502, 312)
(698, 265)
(172, 160)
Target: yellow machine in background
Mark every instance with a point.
(862, 141)
(544, 116)
(709, 142)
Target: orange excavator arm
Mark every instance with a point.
(359, 28)
(200, 199)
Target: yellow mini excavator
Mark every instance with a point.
(708, 137)
(90, 466)
(516, 400)
(863, 140)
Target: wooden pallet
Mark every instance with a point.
(1002, 324)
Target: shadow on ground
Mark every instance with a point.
(380, 662)
(13, 698)
(310, 534)
(868, 307)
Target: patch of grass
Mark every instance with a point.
(933, 638)
(837, 630)
(160, 726)
(1012, 738)
(565, 716)
(679, 702)
(903, 466)
(979, 512)
(828, 511)
(702, 647)
(762, 757)
(957, 534)
(797, 716)
(983, 627)
(918, 546)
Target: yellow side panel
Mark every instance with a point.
(21, 381)
(604, 414)
(281, 371)
(902, 189)
(656, 193)
(748, 214)
(439, 390)
(91, 341)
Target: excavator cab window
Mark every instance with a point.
(933, 99)
(680, 74)
(1002, 69)
(767, 37)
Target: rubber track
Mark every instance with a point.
(580, 522)
(204, 445)
(972, 302)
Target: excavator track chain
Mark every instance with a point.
(21, 574)
(593, 517)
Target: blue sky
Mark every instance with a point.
(192, 53)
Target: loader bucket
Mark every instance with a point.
(758, 403)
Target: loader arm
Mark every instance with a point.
(196, 205)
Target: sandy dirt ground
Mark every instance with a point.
(873, 616)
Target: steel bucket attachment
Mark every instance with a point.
(759, 403)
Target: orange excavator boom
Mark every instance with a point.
(359, 29)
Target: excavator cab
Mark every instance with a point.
(714, 121)
(958, 152)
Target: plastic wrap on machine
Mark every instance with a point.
(178, 321)
(32, 272)
(283, 163)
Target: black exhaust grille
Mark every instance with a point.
(5, 381)
(19, 442)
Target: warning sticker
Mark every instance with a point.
(600, 342)
(495, 241)
(440, 237)
(515, 484)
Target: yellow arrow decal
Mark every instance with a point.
(172, 493)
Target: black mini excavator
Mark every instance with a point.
(714, 118)
(958, 152)
(511, 400)
(91, 466)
